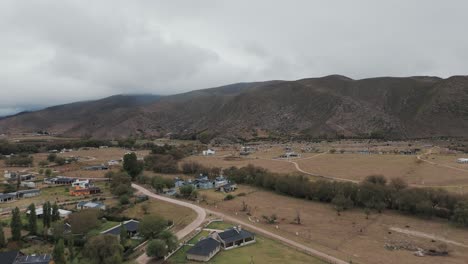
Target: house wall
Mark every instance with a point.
(203, 258)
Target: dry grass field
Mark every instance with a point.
(350, 165)
(350, 236)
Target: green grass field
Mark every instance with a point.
(219, 225)
(264, 251)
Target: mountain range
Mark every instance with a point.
(332, 106)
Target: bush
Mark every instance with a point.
(229, 197)
(124, 200)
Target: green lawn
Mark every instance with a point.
(104, 226)
(219, 225)
(264, 251)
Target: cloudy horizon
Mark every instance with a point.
(54, 52)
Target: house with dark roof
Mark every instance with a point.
(234, 237)
(131, 226)
(8, 257)
(204, 250)
(6, 197)
(17, 257)
(34, 259)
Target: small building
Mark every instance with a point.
(202, 182)
(81, 183)
(59, 180)
(462, 160)
(131, 226)
(28, 193)
(28, 184)
(220, 181)
(78, 191)
(91, 205)
(96, 167)
(208, 152)
(40, 212)
(235, 237)
(17, 257)
(6, 197)
(34, 259)
(112, 163)
(178, 182)
(230, 187)
(204, 250)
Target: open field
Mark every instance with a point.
(350, 236)
(353, 166)
(264, 250)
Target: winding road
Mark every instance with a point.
(201, 214)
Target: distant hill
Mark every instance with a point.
(411, 107)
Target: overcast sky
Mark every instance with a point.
(61, 51)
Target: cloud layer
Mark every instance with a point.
(61, 51)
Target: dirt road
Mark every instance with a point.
(201, 214)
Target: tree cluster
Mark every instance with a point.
(21, 160)
(374, 193)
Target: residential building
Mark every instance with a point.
(234, 237)
(81, 183)
(91, 205)
(462, 160)
(78, 191)
(204, 250)
(59, 180)
(6, 197)
(112, 163)
(28, 184)
(131, 226)
(17, 257)
(40, 212)
(27, 193)
(208, 152)
(230, 187)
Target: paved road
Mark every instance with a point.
(201, 214)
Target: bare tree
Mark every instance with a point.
(297, 220)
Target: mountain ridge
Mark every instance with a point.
(333, 106)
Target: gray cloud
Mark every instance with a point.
(61, 51)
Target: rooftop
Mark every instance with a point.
(204, 247)
(234, 234)
(130, 226)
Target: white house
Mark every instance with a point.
(40, 211)
(112, 163)
(28, 184)
(81, 183)
(462, 160)
(208, 152)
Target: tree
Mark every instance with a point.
(48, 172)
(51, 157)
(103, 249)
(150, 226)
(123, 235)
(124, 199)
(55, 213)
(46, 214)
(297, 219)
(83, 221)
(59, 252)
(42, 164)
(131, 165)
(41, 171)
(169, 238)
(156, 248)
(60, 161)
(58, 230)
(460, 214)
(15, 225)
(341, 203)
(376, 179)
(145, 208)
(2, 237)
(186, 190)
(32, 219)
(71, 250)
